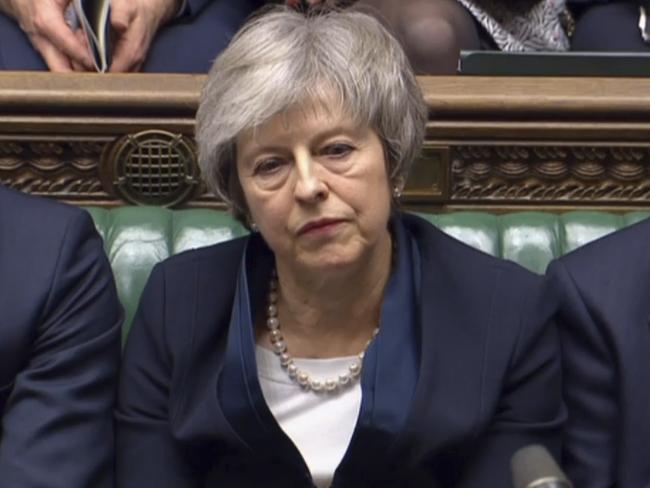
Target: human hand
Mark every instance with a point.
(44, 23)
(134, 24)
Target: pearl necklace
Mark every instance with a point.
(297, 375)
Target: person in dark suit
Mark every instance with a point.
(603, 322)
(59, 347)
(342, 343)
(150, 36)
(610, 25)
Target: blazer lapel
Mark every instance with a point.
(453, 311)
(238, 390)
(390, 372)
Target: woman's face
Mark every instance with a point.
(317, 188)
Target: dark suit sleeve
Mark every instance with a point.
(147, 455)
(530, 409)
(57, 427)
(590, 388)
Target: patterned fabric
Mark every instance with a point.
(539, 28)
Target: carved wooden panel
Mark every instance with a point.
(51, 166)
(551, 174)
(491, 142)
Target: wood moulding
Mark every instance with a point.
(491, 142)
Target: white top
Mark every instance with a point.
(319, 424)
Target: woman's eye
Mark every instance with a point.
(338, 150)
(268, 166)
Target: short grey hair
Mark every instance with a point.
(284, 58)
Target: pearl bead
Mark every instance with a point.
(272, 311)
(272, 323)
(330, 385)
(316, 385)
(344, 378)
(355, 368)
(285, 359)
(279, 347)
(292, 369)
(273, 297)
(303, 378)
(275, 335)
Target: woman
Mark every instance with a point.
(342, 343)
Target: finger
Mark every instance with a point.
(121, 19)
(125, 60)
(81, 38)
(126, 57)
(136, 68)
(130, 48)
(122, 62)
(58, 33)
(77, 67)
(80, 35)
(55, 59)
(118, 59)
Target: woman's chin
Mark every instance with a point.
(335, 256)
(325, 263)
(327, 260)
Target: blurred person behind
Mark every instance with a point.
(603, 321)
(433, 32)
(59, 347)
(146, 35)
(611, 25)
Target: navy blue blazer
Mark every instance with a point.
(192, 42)
(485, 376)
(604, 290)
(59, 347)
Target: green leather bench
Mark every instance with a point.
(138, 237)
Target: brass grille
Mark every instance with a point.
(154, 168)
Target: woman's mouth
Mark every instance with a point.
(319, 226)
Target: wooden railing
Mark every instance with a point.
(492, 142)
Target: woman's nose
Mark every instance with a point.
(310, 185)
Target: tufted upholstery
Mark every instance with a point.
(138, 237)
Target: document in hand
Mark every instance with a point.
(94, 18)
